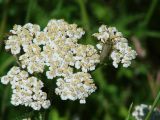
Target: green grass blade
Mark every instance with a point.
(153, 106)
(129, 111)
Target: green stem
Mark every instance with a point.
(28, 11)
(4, 99)
(150, 12)
(152, 34)
(3, 22)
(6, 63)
(41, 116)
(85, 19)
(153, 106)
(98, 75)
(129, 111)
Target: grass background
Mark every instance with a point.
(138, 20)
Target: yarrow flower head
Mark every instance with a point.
(56, 47)
(140, 112)
(113, 39)
(76, 86)
(56, 53)
(26, 90)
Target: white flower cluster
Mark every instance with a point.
(76, 86)
(56, 47)
(140, 112)
(54, 51)
(120, 51)
(26, 90)
(22, 36)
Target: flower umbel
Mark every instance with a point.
(119, 50)
(140, 112)
(76, 86)
(56, 53)
(26, 90)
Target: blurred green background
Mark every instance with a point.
(138, 20)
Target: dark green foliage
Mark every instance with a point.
(117, 88)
